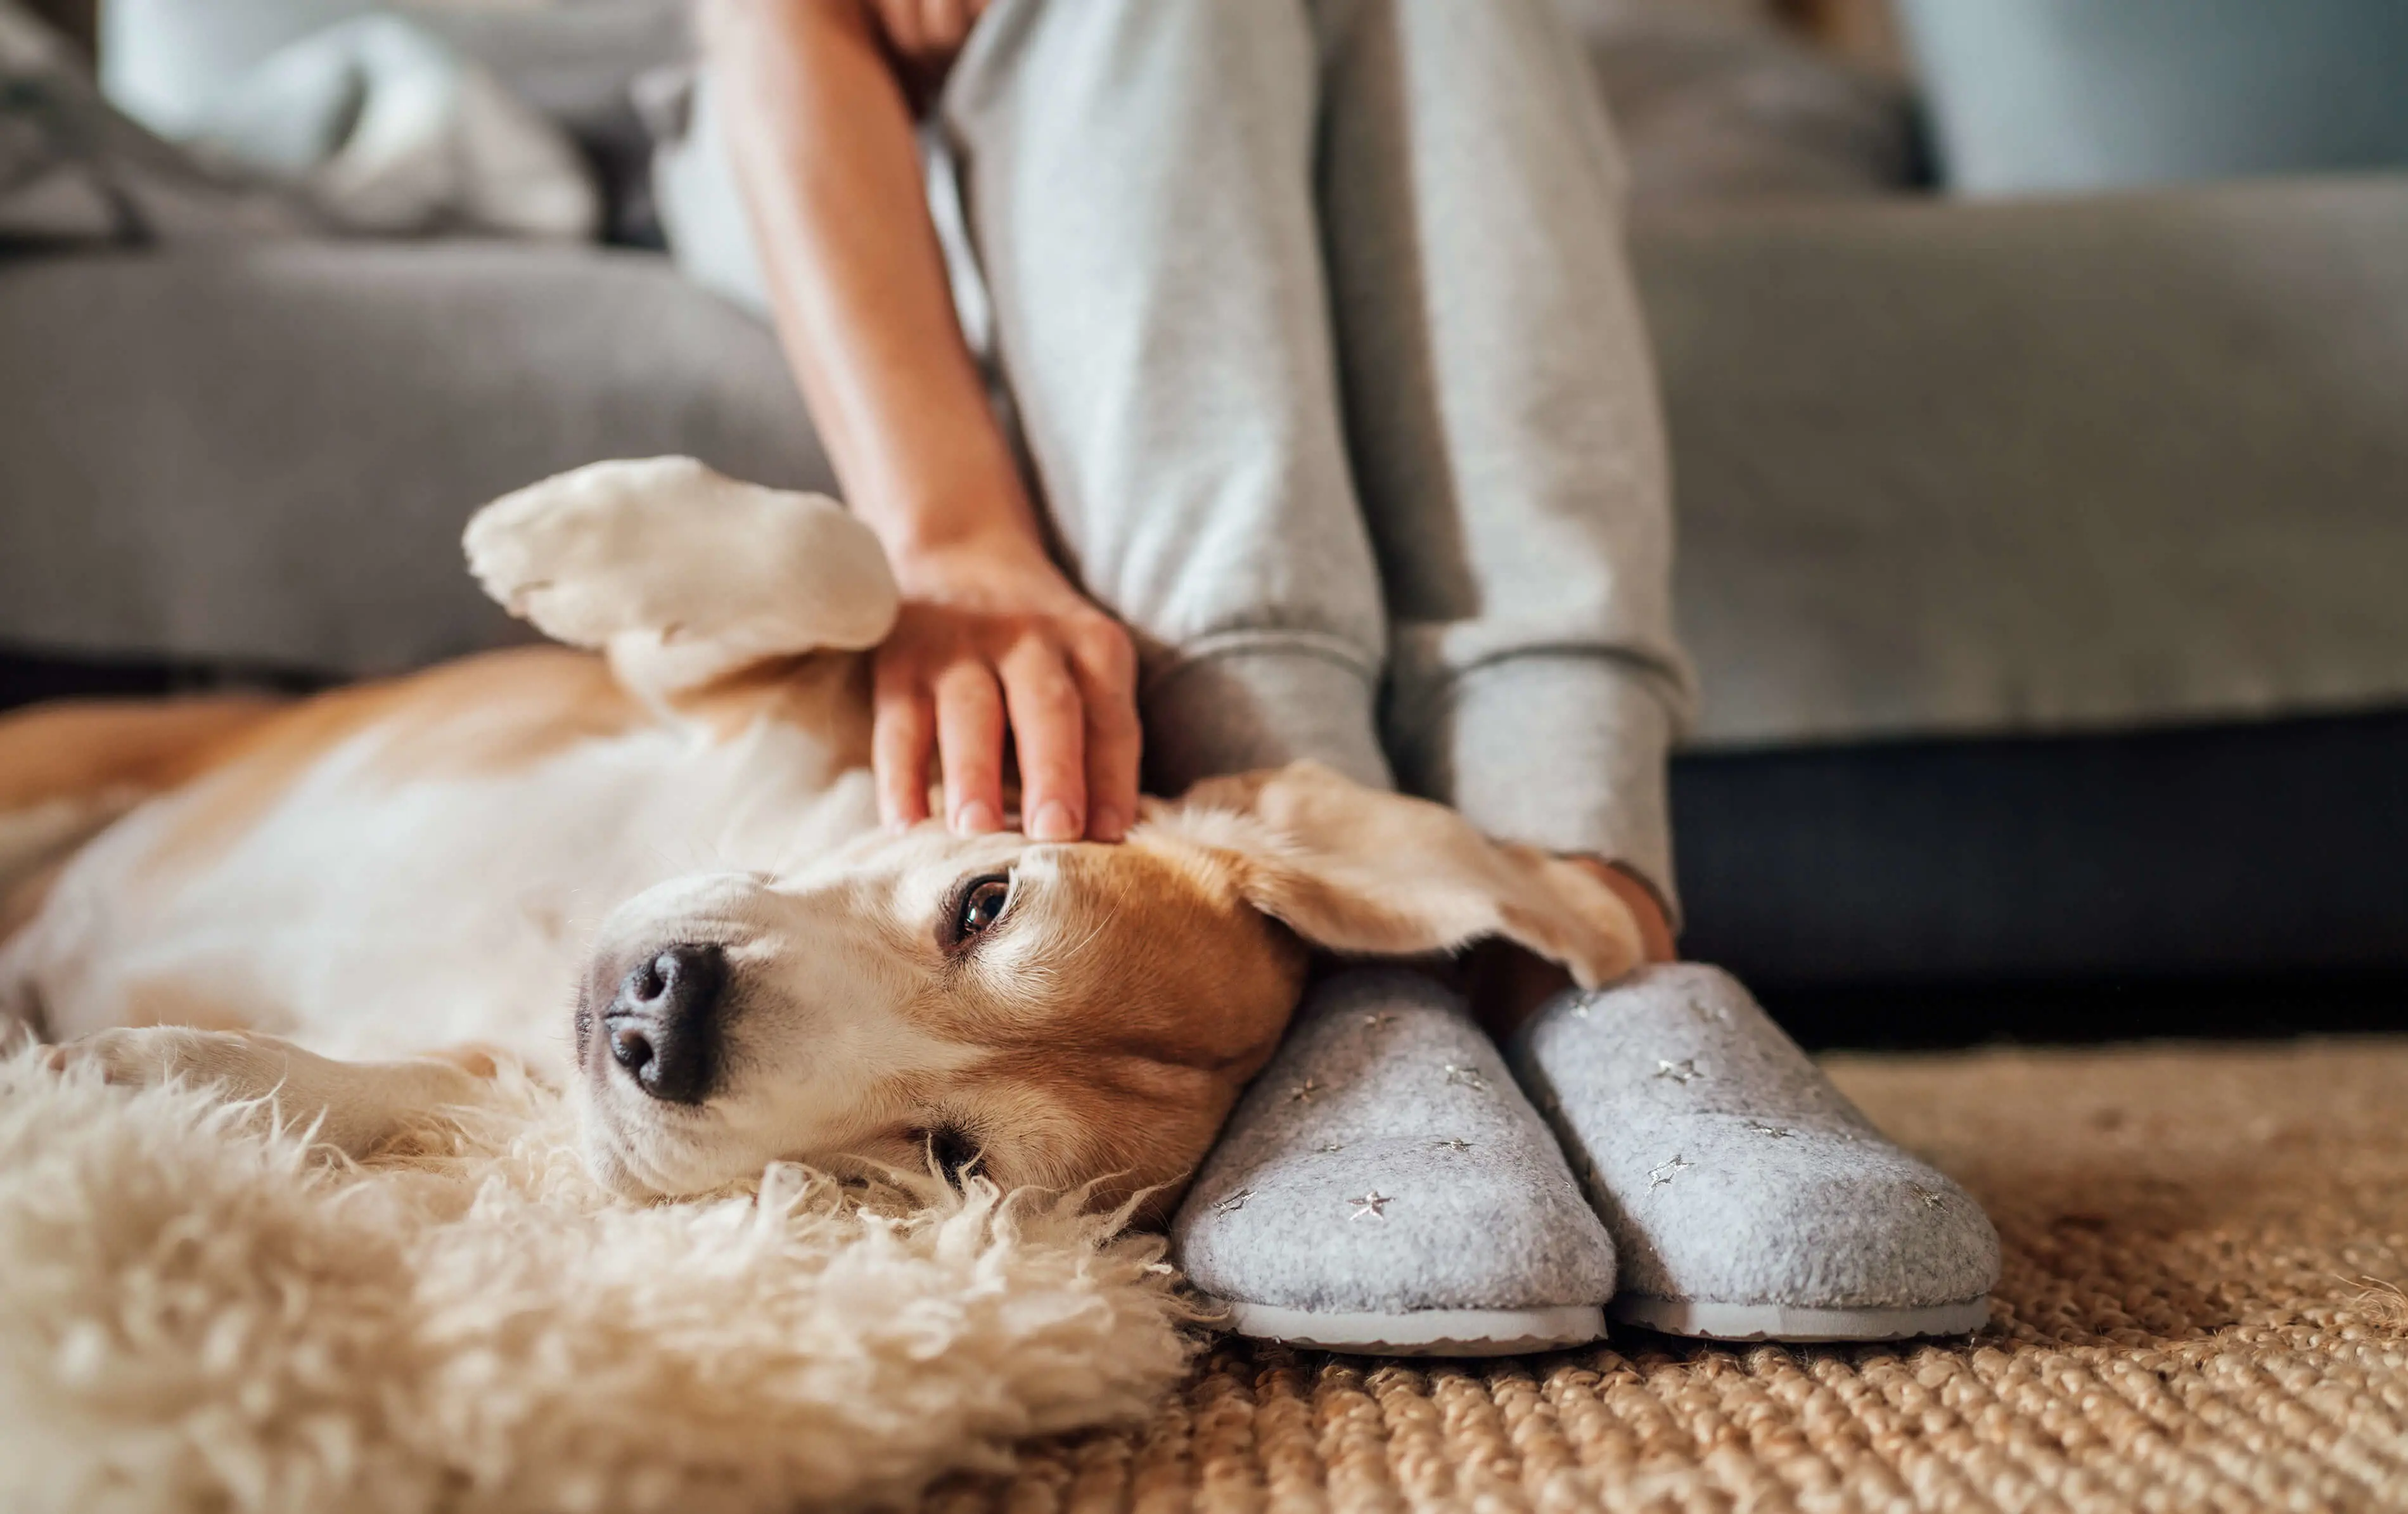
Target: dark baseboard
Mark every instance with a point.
(30, 676)
(1942, 1015)
(2245, 851)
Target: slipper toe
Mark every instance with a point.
(1746, 1196)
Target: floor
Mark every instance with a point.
(2202, 1309)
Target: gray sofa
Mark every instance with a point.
(2045, 563)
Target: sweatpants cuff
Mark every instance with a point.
(1260, 705)
(1560, 751)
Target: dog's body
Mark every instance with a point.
(661, 871)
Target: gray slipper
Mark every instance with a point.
(1383, 1186)
(1747, 1198)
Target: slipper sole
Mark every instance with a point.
(1711, 1319)
(1420, 1331)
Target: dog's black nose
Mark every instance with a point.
(663, 1024)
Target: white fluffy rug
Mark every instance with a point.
(198, 1313)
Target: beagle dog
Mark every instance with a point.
(656, 874)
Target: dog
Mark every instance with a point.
(657, 875)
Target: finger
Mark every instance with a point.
(969, 746)
(898, 23)
(1049, 730)
(1106, 670)
(903, 733)
(942, 22)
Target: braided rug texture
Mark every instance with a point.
(2202, 1309)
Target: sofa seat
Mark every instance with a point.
(265, 456)
(2039, 467)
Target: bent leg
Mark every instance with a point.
(1136, 178)
(1502, 412)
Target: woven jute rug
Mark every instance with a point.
(2201, 1310)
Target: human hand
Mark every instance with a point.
(991, 633)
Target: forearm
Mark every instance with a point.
(822, 136)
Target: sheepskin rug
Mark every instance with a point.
(199, 1311)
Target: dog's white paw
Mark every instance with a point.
(665, 561)
(242, 1066)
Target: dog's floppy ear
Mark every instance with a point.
(1357, 871)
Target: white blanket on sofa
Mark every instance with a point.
(374, 125)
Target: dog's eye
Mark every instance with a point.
(980, 905)
(951, 1148)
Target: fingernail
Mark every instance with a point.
(1106, 824)
(1053, 822)
(976, 818)
(896, 825)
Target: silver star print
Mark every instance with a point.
(1234, 1202)
(1374, 1205)
(1682, 1071)
(1931, 1197)
(1470, 1078)
(1705, 1011)
(1303, 1093)
(1663, 1173)
(1381, 1020)
(1771, 1133)
(1454, 1143)
(1580, 1011)
(1333, 1147)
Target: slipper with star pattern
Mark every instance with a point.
(1747, 1198)
(1385, 1188)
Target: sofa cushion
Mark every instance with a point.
(2079, 95)
(268, 454)
(2039, 467)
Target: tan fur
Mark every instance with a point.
(315, 902)
(69, 768)
(499, 712)
(85, 749)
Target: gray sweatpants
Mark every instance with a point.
(1316, 320)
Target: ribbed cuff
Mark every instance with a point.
(1561, 751)
(1260, 703)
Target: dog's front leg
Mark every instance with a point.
(356, 1106)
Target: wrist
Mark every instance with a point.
(931, 515)
(929, 556)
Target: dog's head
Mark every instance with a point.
(1054, 1014)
